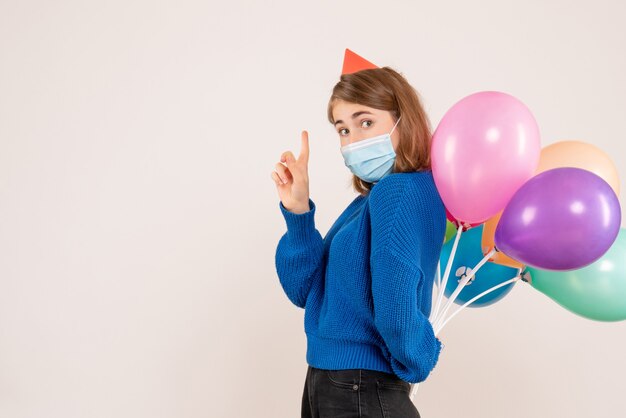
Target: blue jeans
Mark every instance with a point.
(356, 393)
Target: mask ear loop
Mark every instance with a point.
(394, 126)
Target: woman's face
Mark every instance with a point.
(355, 122)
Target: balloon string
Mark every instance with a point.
(414, 387)
(461, 285)
(514, 279)
(436, 317)
(441, 286)
(436, 295)
(517, 277)
(446, 273)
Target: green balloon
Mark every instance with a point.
(450, 231)
(596, 291)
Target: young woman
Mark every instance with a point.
(366, 286)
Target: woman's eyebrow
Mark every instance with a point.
(354, 115)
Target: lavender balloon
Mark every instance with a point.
(561, 219)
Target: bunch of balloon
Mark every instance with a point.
(549, 217)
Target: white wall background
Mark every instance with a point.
(138, 220)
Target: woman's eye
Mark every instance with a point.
(366, 121)
(341, 130)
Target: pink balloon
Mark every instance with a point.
(485, 147)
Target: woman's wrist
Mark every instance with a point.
(300, 209)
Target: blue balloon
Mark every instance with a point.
(468, 255)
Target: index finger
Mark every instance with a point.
(304, 149)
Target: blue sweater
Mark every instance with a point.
(367, 285)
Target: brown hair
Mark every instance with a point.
(386, 89)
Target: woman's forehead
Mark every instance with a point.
(343, 110)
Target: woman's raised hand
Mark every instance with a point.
(292, 178)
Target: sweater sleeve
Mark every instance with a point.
(398, 234)
(299, 254)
